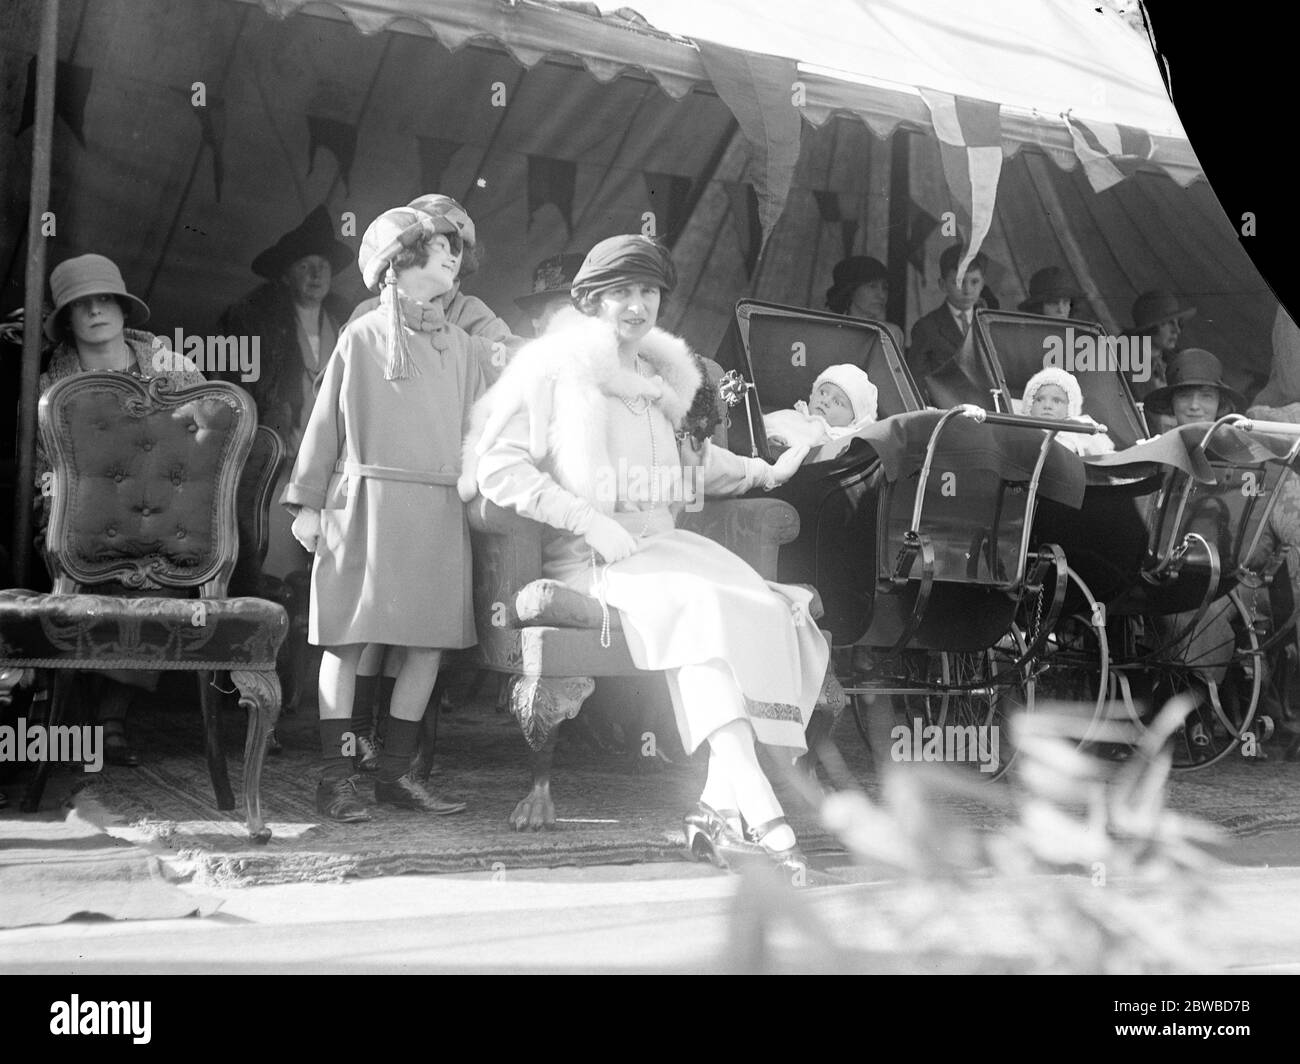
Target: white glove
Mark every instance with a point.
(787, 465)
(609, 539)
(306, 528)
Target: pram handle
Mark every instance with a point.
(1276, 428)
(1027, 421)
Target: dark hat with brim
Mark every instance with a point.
(1048, 285)
(314, 236)
(1151, 308)
(851, 274)
(1193, 368)
(552, 278)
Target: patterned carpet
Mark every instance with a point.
(613, 808)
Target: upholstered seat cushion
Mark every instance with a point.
(111, 631)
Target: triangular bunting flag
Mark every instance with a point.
(212, 128)
(757, 90)
(669, 195)
(848, 236)
(970, 145)
(1109, 152)
(435, 156)
(71, 90)
(828, 206)
(920, 225)
(551, 181)
(339, 138)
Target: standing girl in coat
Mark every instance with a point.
(576, 434)
(374, 490)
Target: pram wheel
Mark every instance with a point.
(1219, 665)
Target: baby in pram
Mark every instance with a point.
(842, 403)
(1054, 393)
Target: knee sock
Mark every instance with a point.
(363, 702)
(383, 700)
(399, 748)
(335, 763)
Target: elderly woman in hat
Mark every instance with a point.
(374, 497)
(95, 328)
(297, 320)
(860, 289)
(1050, 294)
(605, 391)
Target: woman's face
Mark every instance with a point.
(96, 319)
(1056, 308)
(1195, 403)
(309, 279)
(1165, 338)
(1050, 401)
(830, 401)
(438, 275)
(632, 308)
(869, 300)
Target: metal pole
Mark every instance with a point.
(42, 138)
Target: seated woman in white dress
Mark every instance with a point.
(842, 403)
(1054, 393)
(578, 433)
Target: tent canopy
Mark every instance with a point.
(485, 100)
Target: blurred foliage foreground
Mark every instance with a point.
(1092, 874)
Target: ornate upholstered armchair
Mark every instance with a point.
(547, 637)
(142, 541)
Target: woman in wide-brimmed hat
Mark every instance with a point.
(859, 289)
(1195, 389)
(1050, 294)
(580, 433)
(1158, 321)
(95, 326)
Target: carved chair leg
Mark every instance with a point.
(63, 689)
(259, 693)
(540, 704)
(211, 700)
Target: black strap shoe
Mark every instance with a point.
(407, 793)
(338, 800)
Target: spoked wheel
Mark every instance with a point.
(902, 684)
(979, 692)
(1219, 666)
(1075, 664)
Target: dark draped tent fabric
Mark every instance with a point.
(190, 135)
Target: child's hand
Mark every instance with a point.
(788, 464)
(306, 528)
(609, 539)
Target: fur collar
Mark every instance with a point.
(561, 380)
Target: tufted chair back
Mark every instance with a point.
(143, 481)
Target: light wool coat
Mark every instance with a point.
(563, 415)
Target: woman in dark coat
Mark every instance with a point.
(296, 321)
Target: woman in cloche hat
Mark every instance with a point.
(605, 389)
(95, 327)
(1050, 294)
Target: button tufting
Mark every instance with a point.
(181, 533)
(111, 530)
(118, 477)
(192, 427)
(147, 445)
(145, 511)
